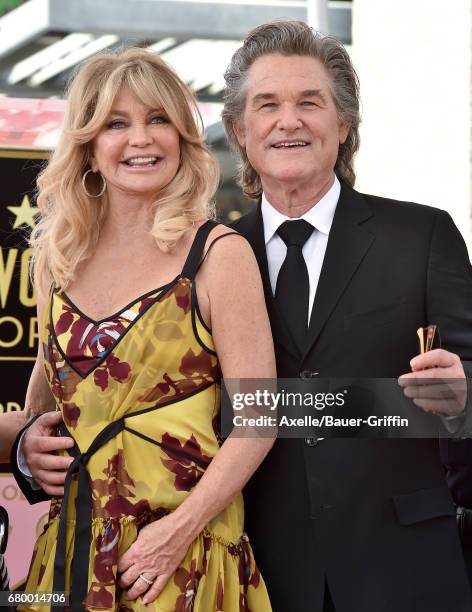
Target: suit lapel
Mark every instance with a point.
(348, 243)
(251, 226)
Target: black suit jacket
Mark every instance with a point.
(373, 517)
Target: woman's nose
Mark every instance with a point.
(140, 136)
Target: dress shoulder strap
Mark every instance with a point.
(212, 243)
(196, 250)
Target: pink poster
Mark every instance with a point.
(26, 523)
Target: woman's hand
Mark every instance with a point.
(156, 554)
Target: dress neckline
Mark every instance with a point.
(188, 272)
(116, 314)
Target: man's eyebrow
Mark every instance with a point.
(263, 96)
(313, 93)
(306, 93)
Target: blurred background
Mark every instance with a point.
(413, 58)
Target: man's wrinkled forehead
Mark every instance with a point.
(275, 74)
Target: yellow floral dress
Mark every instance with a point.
(139, 394)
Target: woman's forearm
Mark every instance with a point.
(229, 471)
(243, 341)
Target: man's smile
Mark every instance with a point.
(290, 144)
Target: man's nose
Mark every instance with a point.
(289, 118)
(140, 136)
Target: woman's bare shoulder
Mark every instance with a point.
(232, 243)
(228, 254)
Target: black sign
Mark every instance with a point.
(18, 321)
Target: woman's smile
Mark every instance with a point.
(136, 141)
(142, 163)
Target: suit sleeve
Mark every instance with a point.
(33, 496)
(449, 305)
(449, 289)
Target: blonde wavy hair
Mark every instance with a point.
(69, 227)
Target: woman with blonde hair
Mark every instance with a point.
(141, 303)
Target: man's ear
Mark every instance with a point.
(343, 131)
(240, 133)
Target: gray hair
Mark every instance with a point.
(292, 38)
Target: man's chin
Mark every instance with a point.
(291, 177)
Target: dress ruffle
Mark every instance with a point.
(215, 575)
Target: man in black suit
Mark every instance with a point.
(457, 459)
(349, 525)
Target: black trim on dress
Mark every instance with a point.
(118, 312)
(166, 447)
(112, 348)
(172, 400)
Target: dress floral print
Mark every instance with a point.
(139, 394)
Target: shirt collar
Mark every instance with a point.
(320, 215)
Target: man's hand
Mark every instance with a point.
(437, 383)
(39, 445)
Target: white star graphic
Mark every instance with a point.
(24, 214)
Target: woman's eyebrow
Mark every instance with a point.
(126, 113)
(118, 112)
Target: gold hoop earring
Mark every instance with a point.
(103, 189)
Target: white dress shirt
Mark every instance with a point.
(321, 217)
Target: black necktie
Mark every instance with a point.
(292, 291)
